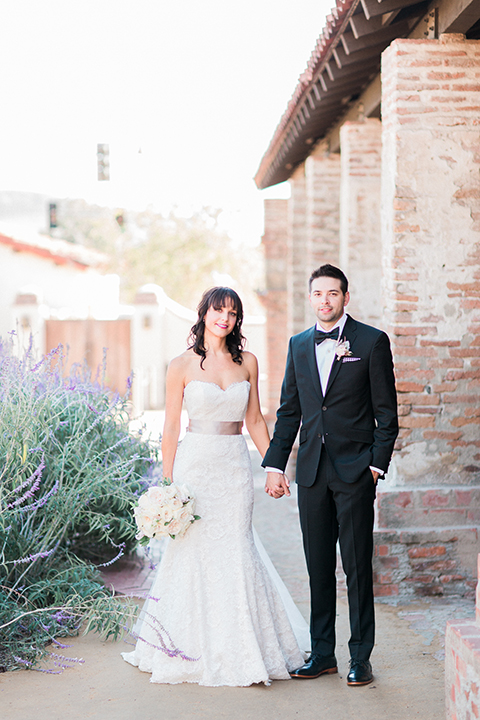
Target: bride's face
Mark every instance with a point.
(220, 321)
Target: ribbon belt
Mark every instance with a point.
(215, 427)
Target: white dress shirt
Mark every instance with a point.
(325, 354)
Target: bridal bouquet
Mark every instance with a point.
(164, 510)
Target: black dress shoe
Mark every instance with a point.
(316, 666)
(360, 672)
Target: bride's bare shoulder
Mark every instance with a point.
(181, 364)
(249, 359)
(251, 364)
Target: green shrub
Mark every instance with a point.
(69, 472)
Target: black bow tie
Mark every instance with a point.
(321, 336)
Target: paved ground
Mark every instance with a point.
(407, 661)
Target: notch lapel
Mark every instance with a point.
(349, 333)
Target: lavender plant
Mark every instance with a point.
(69, 472)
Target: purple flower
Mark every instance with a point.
(67, 659)
(36, 476)
(32, 558)
(110, 562)
(41, 501)
(30, 665)
(160, 631)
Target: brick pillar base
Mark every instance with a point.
(462, 666)
(423, 563)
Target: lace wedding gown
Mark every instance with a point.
(213, 596)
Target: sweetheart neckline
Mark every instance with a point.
(207, 382)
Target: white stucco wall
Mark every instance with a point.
(63, 290)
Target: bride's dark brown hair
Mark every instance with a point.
(218, 297)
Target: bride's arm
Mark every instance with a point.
(175, 384)
(254, 420)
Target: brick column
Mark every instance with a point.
(360, 237)
(297, 271)
(274, 243)
(431, 256)
(322, 177)
(462, 666)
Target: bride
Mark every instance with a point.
(213, 599)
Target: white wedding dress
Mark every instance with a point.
(213, 598)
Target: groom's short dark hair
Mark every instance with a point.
(329, 271)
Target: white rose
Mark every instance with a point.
(155, 494)
(175, 528)
(166, 512)
(169, 491)
(190, 506)
(176, 503)
(148, 528)
(184, 493)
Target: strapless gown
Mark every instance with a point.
(212, 593)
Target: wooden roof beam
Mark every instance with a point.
(373, 8)
(361, 26)
(333, 71)
(351, 44)
(369, 101)
(322, 82)
(457, 16)
(316, 91)
(347, 79)
(343, 60)
(338, 74)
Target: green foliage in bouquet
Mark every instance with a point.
(69, 472)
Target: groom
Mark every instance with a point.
(339, 389)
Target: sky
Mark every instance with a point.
(186, 93)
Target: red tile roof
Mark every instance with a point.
(60, 252)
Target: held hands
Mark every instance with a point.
(277, 485)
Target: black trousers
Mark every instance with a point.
(334, 510)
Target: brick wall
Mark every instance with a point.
(360, 236)
(425, 563)
(431, 262)
(322, 176)
(297, 271)
(322, 173)
(431, 147)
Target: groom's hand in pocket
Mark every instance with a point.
(277, 485)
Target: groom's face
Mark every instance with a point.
(327, 300)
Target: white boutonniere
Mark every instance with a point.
(342, 349)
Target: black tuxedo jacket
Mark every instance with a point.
(357, 417)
